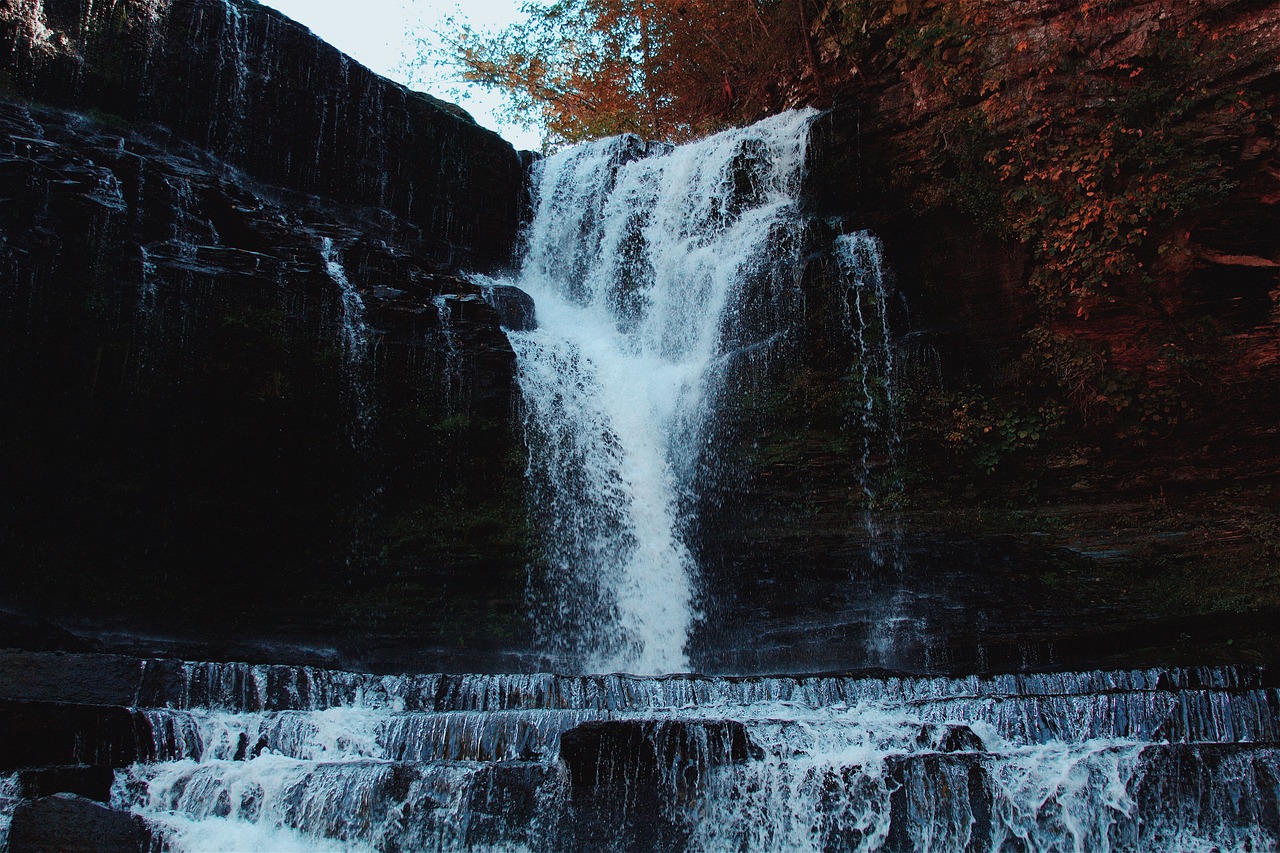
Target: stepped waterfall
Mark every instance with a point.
(658, 272)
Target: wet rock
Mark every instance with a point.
(939, 802)
(673, 752)
(261, 93)
(92, 783)
(1208, 790)
(949, 738)
(44, 734)
(87, 679)
(504, 803)
(1225, 791)
(202, 314)
(630, 779)
(515, 307)
(73, 824)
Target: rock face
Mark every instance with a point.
(625, 773)
(244, 385)
(48, 734)
(257, 91)
(252, 410)
(971, 540)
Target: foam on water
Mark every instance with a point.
(1152, 760)
(10, 793)
(233, 835)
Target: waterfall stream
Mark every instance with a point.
(637, 258)
(280, 758)
(355, 338)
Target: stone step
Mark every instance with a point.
(46, 734)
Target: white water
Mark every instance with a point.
(637, 258)
(9, 796)
(861, 259)
(1145, 760)
(355, 338)
(899, 627)
(355, 334)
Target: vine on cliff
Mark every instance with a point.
(1095, 178)
(1092, 163)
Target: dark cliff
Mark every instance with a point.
(259, 92)
(1088, 453)
(250, 401)
(247, 398)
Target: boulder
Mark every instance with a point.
(45, 734)
(72, 824)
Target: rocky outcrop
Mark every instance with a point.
(626, 774)
(259, 92)
(245, 383)
(48, 734)
(253, 412)
(618, 762)
(676, 752)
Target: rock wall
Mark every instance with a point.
(252, 411)
(1101, 541)
(250, 407)
(259, 92)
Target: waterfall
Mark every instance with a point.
(861, 259)
(638, 258)
(355, 338)
(452, 381)
(860, 256)
(280, 758)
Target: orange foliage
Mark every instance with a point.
(668, 69)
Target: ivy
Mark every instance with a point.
(1089, 186)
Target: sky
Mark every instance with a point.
(384, 35)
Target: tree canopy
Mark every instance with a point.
(668, 69)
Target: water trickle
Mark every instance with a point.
(147, 288)
(355, 337)
(637, 258)
(866, 308)
(451, 377)
(897, 630)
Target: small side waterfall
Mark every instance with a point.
(452, 381)
(860, 256)
(355, 337)
(638, 258)
(861, 259)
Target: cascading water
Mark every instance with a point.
(355, 337)
(10, 792)
(279, 758)
(637, 258)
(645, 261)
(452, 380)
(860, 256)
(861, 259)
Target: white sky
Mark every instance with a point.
(384, 35)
